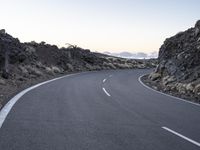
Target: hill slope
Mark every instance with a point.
(24, 64)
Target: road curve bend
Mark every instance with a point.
(105, 110)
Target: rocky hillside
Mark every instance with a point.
(24, 64)
(179, 64)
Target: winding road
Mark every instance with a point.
(105, 110)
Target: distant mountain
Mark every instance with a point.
(138, 55)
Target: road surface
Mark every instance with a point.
(106, 110)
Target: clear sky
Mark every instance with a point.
(99, 25)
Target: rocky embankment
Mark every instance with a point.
(25, 64)
(178, 72)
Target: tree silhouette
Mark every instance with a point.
(70, 46)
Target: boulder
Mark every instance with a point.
(49, 70)
(154, 76)
(190, 87)
(56, 69)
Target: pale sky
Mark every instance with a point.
(99, 25)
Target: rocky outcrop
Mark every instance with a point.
(22, 64)
(179, 63)
(45, 57)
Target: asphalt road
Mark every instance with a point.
(107, 110)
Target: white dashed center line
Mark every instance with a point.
(106, 92)
(104, 80)
(181, 136)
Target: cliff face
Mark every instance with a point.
(179, 63)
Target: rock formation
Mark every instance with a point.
(29, 63)
(179, 63)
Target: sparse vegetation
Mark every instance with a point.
(28, 63)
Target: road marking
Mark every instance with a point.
(182, 136)
(177, 98)
(7, 108)
(106, 91)
(104, 80)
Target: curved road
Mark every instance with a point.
(107, 110)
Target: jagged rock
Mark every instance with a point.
(179, 62)
(154, 76)
(190, 87)
(168, 79)
(56, 69)
(180, 53)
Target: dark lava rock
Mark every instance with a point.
(44, 58)
(179, 59)
(180, 54)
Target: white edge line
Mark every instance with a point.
(7, 108)
(104, 80)
(182, 136)
(180, 99)
(106, 91)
